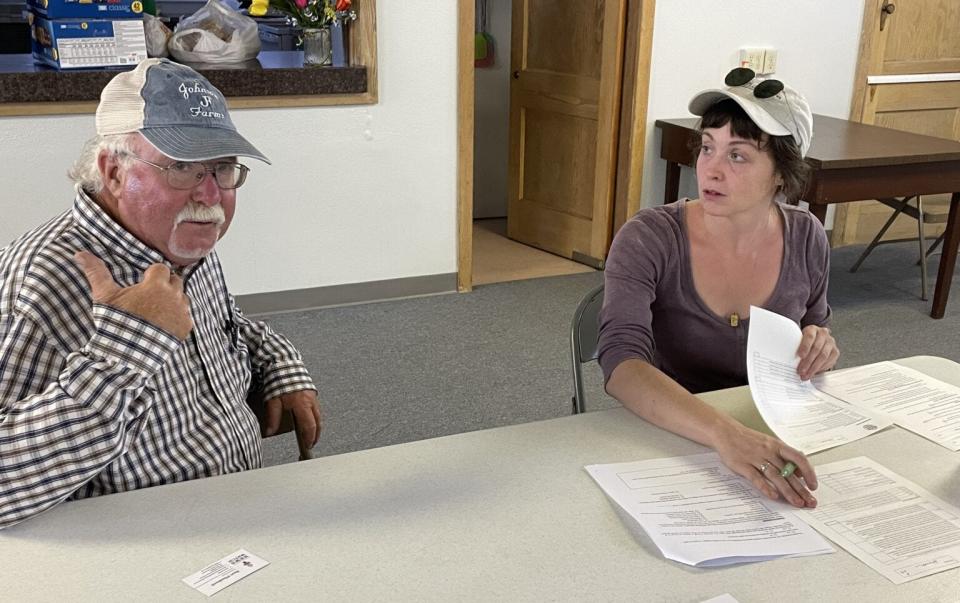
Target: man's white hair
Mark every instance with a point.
(85, 171)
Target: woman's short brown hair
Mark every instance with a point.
(791, 167)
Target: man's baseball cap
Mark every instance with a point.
(176, 109)
(786, 113)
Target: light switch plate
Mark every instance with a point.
(752, 58)
(769, 61)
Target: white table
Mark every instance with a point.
(503, 514)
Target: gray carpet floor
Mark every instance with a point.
(403, 370)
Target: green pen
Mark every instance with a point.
(788, 469)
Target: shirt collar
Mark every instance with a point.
(119, 243)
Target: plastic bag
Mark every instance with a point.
(215, 34)
(157, 35)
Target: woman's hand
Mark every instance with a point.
(759, 458)
(657, 398)
(818, 352)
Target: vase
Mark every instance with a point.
(338, 38)
(317, 48)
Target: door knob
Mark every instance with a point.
(516, 75)
(885, 11)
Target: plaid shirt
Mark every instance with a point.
(94, 400)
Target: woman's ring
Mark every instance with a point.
(763, 467)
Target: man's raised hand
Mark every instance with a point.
(158, 299)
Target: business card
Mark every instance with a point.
(221, 574)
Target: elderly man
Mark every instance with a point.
(124, 361)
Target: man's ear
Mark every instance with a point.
(108, 163)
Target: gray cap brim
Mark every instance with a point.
(198, 143)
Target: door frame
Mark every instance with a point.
(466, 20)
(631, 143)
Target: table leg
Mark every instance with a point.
(672, 188)
(948, 259)
(819, 212)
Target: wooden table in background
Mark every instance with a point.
(853, 162)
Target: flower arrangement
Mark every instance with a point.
(308, 13)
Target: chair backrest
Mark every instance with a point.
(584, 332)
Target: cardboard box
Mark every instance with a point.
(86, 43)
(87, 9)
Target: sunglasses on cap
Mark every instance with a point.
(764, 89)
(741, 76)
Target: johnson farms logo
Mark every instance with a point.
(204, 99)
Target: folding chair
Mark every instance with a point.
(584, 332)
(902, 206)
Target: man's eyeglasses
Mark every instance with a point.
(184, 175)
(741, 76)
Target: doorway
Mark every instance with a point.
(496, 257)
(618, 106)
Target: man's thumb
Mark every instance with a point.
(101, 281)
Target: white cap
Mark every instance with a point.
(786, 113)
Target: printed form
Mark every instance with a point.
(891, 524)
(699, 512)
(801, 415)
(922, 404)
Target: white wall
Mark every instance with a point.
(696, 42)
(354, 194)
(368, 193)
(491, 145)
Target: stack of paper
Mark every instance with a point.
(700, 513)
(800, 415)
(891, 524)
(922, 404)
(841, 406)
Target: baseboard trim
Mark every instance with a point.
(342, 295)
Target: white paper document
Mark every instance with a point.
(800, 415)
(891, 524)
(914, 401)
(699, 512)
(221, 574)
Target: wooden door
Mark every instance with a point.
(894, 90)
(566, 64)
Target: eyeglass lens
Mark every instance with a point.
(187, 175)
(741, 76)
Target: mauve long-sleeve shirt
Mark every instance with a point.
(652, 311)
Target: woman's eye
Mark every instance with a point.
(705, 149)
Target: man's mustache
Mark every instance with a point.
(198, 212)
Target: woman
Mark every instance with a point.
(680, 280)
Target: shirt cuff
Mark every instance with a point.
(286, 377)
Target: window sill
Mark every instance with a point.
(274, 79)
